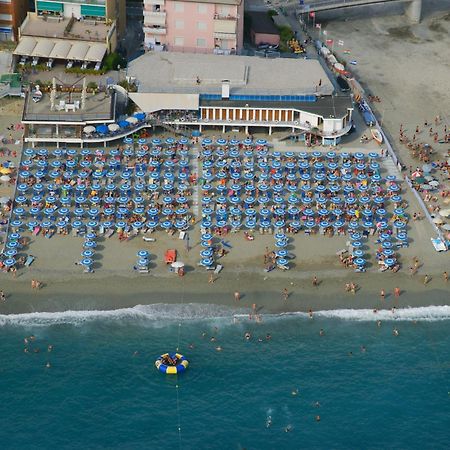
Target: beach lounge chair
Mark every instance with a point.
(170, 256)
(225, 243)
(439, 245)
(218, 268)
(182, 235)
(29, 260)
(109, 233)
(148, 239)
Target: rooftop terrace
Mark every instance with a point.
(65, 28)
(100, 106)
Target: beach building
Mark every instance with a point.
(241, 93)
(58, 114)
(73, 32)
(194, 26)
(12, 13)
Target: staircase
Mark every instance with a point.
(291, 134)
(181, 130)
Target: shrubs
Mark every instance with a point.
(113, 61)
(79, 70)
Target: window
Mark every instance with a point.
(201, 42)
(179, 42)
(7, 17)
(201, 26)
(179, 7)
(179, 24)
(202, 8)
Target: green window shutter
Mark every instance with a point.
(93, 10)
(50, 6)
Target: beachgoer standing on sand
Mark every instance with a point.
(353, 288)
(2, 296)
(285, 294)
(426, 280)
(237, 296)
(315, 281)
(211, 278)
(445, 276)
(382, 294)
(397, 292)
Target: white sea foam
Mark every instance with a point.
(424, 313)
(162, 313)
(156, 313)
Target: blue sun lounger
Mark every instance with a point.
(29, 260)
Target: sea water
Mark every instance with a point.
(355, 385)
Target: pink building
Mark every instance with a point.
(195, 26)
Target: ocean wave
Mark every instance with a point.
(425, 313)
(159, 312)
(162, 313)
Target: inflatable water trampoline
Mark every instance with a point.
(171, 363)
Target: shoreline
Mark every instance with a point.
(113, 293)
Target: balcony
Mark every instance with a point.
(224, 36)
(154, 18)
(155, 31)
(224, 26)
(153, 2)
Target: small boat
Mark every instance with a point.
(376, 134)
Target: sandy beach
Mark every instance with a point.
(388, 56)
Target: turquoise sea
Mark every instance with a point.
(371, 389)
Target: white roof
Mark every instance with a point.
(154, 102)
(43, 48)
(78, 51)
(248, 75)
(61, 50)
(26, 46)
(95, 53)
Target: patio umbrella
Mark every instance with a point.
(113, 127)
(102, 129)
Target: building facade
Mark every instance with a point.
(196, 26)
(12, 13)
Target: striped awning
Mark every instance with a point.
(26, 46)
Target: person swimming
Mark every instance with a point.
(395, 332)
(219, 348)
(247, 336)
(269, 422)
(321, 332)
(294, 392)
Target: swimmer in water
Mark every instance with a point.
(191, 345)
(247, 336)
(378, 323)
(50, 348)
(25, 341)
(25, 350)
(317, 405)
(395, 332)
(310, 314)
(363, 349)
(269, 422)
(317, 418)
(219, 348)
(294, 392)
(48, 365)
(288, 429)
(213, 339)
(268, 337)
(260, 340)
(321, 332)
(136, 353)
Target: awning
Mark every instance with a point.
(60, 50)
(95, 53)
(78, 51)
(49, 6)
(26, 46)
(154, 102)
(43, 48)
